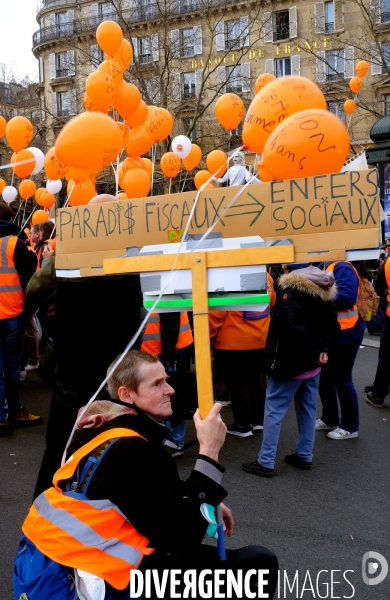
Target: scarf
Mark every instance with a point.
(101, 412)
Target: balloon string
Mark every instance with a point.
(16, 164)
(65, 205)
(153, 160)
(29, 217)
(169, 279)
(20, 206)
(184, 184)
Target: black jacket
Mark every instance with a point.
(24, 263)
(303, 324)
(141, 478)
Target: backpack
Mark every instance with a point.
(367, 301)
(35, 575)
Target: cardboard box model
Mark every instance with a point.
(230, 288)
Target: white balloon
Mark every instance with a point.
(9, 194)
(39, 158)
(181, 145)
(54, 185)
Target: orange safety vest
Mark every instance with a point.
(387, 275)
(347, 318)
(151, 339)
(91, 535)
(11, 293)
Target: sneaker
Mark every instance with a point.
(374, 400)
(32, 367)
(257, 427)
(174, 452)
(5, 428)
(257, 469)
(224, 399)
(342, 434)
(321, 425)
(23, 376)
(239, 430)
(25, 419)
(295, 461)
(369, 388)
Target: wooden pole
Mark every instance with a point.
(202, 332)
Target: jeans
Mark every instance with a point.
(11, 347)
(382, 377)
(336, 380)
(277, 401)
(177, 432)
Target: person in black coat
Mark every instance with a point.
(303, 329)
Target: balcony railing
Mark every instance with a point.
(144, 59)
(188, 94)
(329, 27)
(63, 112)
(62, 72)
(334, 77)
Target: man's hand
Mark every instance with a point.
(47, 252)
(228, 521)
(323, 359)
(211, 432)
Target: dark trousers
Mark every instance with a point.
(382, 377)
(11, 346)
(205, 557)
(241, 371)
(336, 381)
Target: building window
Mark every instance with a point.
(282, 67)
(329, 17)
(148, 9)
(145, 54)
(232, 34)
(186, 124)
(62, 67)
(281, 25)
(189, 5)
(106, 11)
(63, 104)
(234, 80)
(335, 65)
(337, 108)
(187, 47)
(385, 13)
(386, 58)
(188, 85)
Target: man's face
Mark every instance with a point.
(35, 235)
(154, 393)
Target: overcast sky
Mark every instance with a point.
(18, 24)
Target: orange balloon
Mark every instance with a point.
(39, 193)
(126, 100)
(89, 141)
(139, 117)
(88, 104)
(100, 89)
(27, 189)
(47, 200)
(311, 142)
(136, 183)
(122, 196)
(39, 216)
(216, 163)
(148, 166)
(19, 132)
(130, 163)
(262, 80)
(275, 102)
(113, 69)
(3, 184)
(80, 193)
(23, 170)
(109, 36)
(229, 111)
(201, 178)
(3, 126)
(139, 141)
(355, 85)
(193, 159)
(54, 168)
(209, 186)
(362, 68)
(79, 175)
(263, 173)
(159, 124)
(124, 55)
(170, 164)
(349, 106)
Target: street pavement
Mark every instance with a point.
(320, 523)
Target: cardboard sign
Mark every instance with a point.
(323, 213)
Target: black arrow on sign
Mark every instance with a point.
(250, 212)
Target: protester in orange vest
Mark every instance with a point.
(16, 268)
(169, 336)
(336, 375)
(238, 339)
(136, 513)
